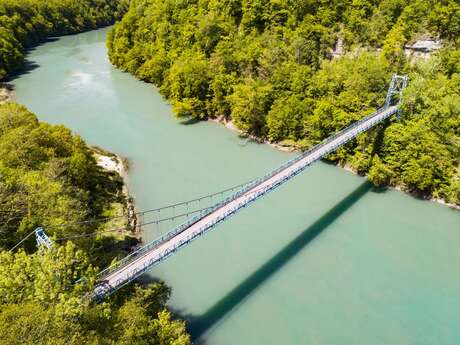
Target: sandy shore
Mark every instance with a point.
(111, 164)
(230, 125)
(5, 92)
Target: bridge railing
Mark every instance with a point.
(105, 289)
(251, 185)
(149, 246)
(313, 149)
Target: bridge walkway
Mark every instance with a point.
(151, 254)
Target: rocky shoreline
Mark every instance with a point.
(400, 189)
(230, 125)
(114, 163)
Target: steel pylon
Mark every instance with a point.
(397, 86)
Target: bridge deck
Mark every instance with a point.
(160, 250)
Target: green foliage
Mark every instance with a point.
(43, 302)
(446, 19)
(28, 22)
(286, 117)
(47, 177)
(204, 54)
(46, 276)
(187, 83)
(268, 67)
(31, 323)
(250, 102)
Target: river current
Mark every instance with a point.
(326, 259)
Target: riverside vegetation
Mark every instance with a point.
(268, 67)
(48, 176)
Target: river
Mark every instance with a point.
(326, 259)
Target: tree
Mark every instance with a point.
(187, 84)
(393, 46)
(250, 102)
(30, 22)
(284, 119)
(47, 176)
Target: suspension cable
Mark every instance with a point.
(141, 213)
(137, 214)
(124, 228)
(21, 241)
(139, 225)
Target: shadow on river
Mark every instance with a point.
(199, 324)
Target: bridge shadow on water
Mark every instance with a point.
(201, 323)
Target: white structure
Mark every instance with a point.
(422, 48)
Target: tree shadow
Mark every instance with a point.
(201, 323)
(26, 68)
(41, 43)
(104, 249)
(7, 86)
(190, 121)
(246, 140)
(380, 190)
(378, 141)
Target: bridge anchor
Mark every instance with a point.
(42, 238)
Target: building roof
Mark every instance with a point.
(425, 45)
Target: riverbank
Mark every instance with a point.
(115, 164)
(231, 126)
(6, 92)
(293, 149)
(401, 189)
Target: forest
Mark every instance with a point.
(294, 72)
(49, 177)
(26, 23)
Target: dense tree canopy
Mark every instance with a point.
(42, 301)
(28, 22)
(48, 177)
(269, 66)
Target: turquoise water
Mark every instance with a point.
(323, 260)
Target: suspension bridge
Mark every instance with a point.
(143, 259)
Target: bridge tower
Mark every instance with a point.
(397, 85)
(42, 238)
